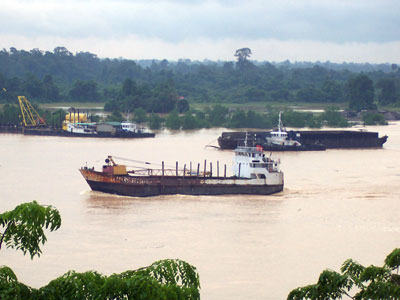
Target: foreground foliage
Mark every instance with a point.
(164, 279)
(24, 229)
(356, 282)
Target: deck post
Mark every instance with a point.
(184, 170)
(210, 169)
(224, 171)
(205, 167)
(176, 168)
(217, 168)
(239, 169)
(198, 169)
(162, 167)
(190, 172)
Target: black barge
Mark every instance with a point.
(48, 131)
(310, 140)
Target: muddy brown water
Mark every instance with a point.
(337, 204)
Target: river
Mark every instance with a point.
(337, 204)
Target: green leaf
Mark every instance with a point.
(24, 227)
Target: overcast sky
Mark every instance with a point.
(297, 30)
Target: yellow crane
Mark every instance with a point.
(30, 117)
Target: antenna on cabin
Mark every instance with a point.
(280, 125)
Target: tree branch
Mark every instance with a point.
(5, 231)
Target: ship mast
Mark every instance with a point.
(280, 125)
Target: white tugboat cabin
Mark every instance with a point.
(280, 137)
(251, 162)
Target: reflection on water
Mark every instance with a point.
(336, 204)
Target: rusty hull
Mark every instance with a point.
(146, 186)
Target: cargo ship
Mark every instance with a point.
(254, 174)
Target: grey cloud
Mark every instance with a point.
(177, 20)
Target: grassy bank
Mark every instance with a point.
(77, 105)
(264, 106)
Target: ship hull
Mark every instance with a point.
(119, 134)
(147, 186)
(310, 147)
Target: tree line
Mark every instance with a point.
(214, 116)
(163, 86)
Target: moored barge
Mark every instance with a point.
(254, 174)
(310, 140)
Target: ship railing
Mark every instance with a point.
(170, 172)
(187, 171)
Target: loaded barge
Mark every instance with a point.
(254, 174)
(105, 134)
(81, 130)
(74, 125)
(309, 140)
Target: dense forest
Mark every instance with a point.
(164, 87)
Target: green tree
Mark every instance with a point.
(360, 93)
(173, 121)
(51, 91)
(388, 93)
(165, 97)
(129, 87)
(242, 55)
(355, 282)
(164, 279)
(24, 227)
(33, 86)
(10, 115)
(333, 91)
(217, 116)
(182, 106)
(115, 117)
(139, 115)
(155, 121)
(370, 118)
(84, 91)
(334, 118)
(189, 121)
(55, 119)
(309, 94)
(238, 120)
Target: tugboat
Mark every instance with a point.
(280, 140)
(254, 174)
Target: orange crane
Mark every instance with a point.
(30, 117)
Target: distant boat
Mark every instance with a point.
(279, 139)
(303, 140)
(276, 140)
(81, 128)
